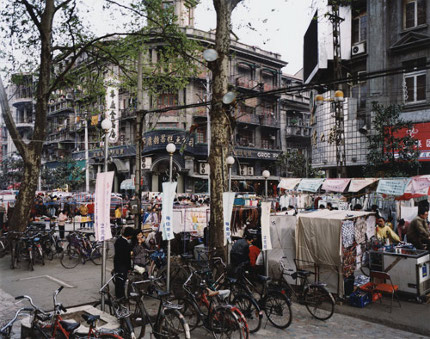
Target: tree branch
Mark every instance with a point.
(31, 9)
(64, 3)
(10, 124)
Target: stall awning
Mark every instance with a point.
(127, 184)
(335, 185)
(310, 185)
(288, 183)
(358, 184)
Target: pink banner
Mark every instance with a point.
(335, 185)
(419, 185)
(102, 206)
(359, 184)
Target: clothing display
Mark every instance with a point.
(348, 233)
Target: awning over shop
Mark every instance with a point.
(127, 184)
(358, 184)
(289, 183)
(335, 185)
(310, 185)
(120, 165)
(393, 186)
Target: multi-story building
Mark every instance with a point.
(266, 125)
(385, 50)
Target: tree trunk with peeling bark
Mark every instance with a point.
(31, 153)
(220, 124)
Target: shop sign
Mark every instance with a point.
(247, 153)
(266, 241)
(102, 204)
(394, 187)
(228, 201)
(421, 133)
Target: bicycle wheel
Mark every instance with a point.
(96, 255)
(30, 259)
(250, 309)
(277, 308)
(190, 312)
(70, 258)
(138, 319)
(172, 325)
(225, 323)
(319, 302)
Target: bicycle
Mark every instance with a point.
(51, 325)
(169, 321)
(119, 309)
(80, 249)
(315, 296)
(6, 330)
(212, 310)
(27, 248)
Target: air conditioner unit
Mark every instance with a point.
(250, 170)
(358, 48)
(203, 168)
(243, 170)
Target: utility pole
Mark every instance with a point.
(339, 132)
(87, 165)
(139, 123)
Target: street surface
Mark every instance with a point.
(82, 284)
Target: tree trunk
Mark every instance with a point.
(31, 153)
(220, 125)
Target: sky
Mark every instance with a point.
(273, 25)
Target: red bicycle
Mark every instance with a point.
(51, 325)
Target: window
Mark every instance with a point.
(359, 29)
(166, 100)
(201, 135)
(267, 142)
(414, 13)
(245, 138)
(359, 91)
(414, 87)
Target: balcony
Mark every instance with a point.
(23, 96)
(24, 124)
(60, 107)
(248, 118)
(268, 118)
(127, 113)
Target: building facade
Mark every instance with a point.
(385, 51)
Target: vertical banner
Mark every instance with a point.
(227, 201)
(169, 191)
(265, 226)
(102, 206)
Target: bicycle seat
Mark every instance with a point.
(304, 273)
(90, 318)
(187, 256)
(204, 271)
(162, 293)
(223, 294)
(68, 326)
(231, 279)
(263, 278)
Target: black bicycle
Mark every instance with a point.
(315, 296)
(169, 321)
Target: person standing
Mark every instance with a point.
(62, 223)
(91, 214)
(384, 232)
(83, 211)
(122, 260)
(418, 233)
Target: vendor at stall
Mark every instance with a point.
(418, 233)
(384, 232)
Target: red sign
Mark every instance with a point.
(420, 132)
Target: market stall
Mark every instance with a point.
(327, 239)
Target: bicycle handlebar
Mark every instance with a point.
(21, 310)
(31, 303)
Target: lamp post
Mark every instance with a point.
(106, 126)
(230, 163)
(266, 175)
(339, 130)
(170, 148)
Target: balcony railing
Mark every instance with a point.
(298, 131)
(60, 107)
(248, 118)
(268, 120)
(127, 113)
(245, 83)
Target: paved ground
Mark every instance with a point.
(82, 284)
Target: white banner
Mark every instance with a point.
(169, 191)
(102, 206)
(227, 201)
(289, 183)
(358, 184)
(265, 226)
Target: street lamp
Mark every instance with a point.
(230, 163)
(106, 126)
(170, 148)
(266, 175)
(210, 54)
(229, 98)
